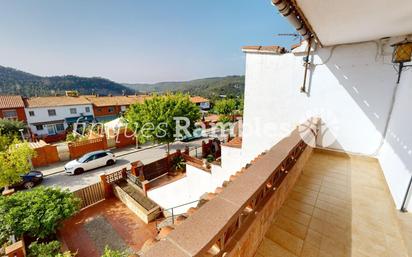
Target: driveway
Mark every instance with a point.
(90, 177)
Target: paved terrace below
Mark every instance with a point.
(340, 206)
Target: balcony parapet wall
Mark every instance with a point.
(236, 220)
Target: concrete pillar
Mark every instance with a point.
(107, 188)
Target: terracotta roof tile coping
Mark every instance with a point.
(165, 248)
(198, 233)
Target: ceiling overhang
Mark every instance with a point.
(335, 22)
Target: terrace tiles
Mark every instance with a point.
(340, 206)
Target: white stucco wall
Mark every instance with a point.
(350, 87)
(62, 112)
(174, 194)
(396, 154)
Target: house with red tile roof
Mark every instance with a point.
(52, 115)
(107, 108)
(12, 107)
(203, 103)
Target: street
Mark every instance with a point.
(93, 176)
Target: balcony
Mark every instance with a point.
(293, 201)
(340, 206)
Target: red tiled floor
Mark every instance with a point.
(126, 224)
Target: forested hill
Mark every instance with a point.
(209, 87)
(17, 82)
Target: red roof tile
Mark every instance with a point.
(198, 99)
(11, 101)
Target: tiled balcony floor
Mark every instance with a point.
(340, 206)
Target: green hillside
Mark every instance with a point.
(209, 87)
(17, 82)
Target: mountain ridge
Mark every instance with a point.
(14, 81)
(232, 85)
(17, 82)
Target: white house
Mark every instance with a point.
(52, 115)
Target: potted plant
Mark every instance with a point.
(178, 165)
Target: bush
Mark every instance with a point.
(210, 158)
(51, 249)
(178, 163)
(11, 127)
(44, 249)
(113, 253)
(36, 213)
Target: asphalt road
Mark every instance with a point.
(93, 176)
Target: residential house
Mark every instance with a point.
(12, 107)
(107, 108)
(203, 103)
(331, 186)
(51, 115)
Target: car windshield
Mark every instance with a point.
(83, 158)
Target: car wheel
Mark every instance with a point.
(28, 184)
(109, 162)
(78, 171)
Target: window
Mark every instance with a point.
(52, 112)
(10, 114)
(100, 155)
(111, 109)
(59, 127)
(73, 111)
(39, 127)
(123, 108)
(87, 109)
(31, 113)
(53, 129)
(99, 109)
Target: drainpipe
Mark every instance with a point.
(306, 64)
(403, 207)
(288, 11)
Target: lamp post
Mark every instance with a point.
(22, 135)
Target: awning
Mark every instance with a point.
(87, 118)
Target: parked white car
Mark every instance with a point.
(90, 161)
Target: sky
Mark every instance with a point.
(136, 41)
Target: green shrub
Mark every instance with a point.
(210, 158)
(44, 249)
(36, 213)
(113, 253)
(178, 163)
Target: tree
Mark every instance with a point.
(225, 107)
(156, 118)
(37, 213)
(14, 161)
(11, 127)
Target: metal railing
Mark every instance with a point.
(173, 214)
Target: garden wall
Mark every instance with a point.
(80, 148)
(45, 154)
